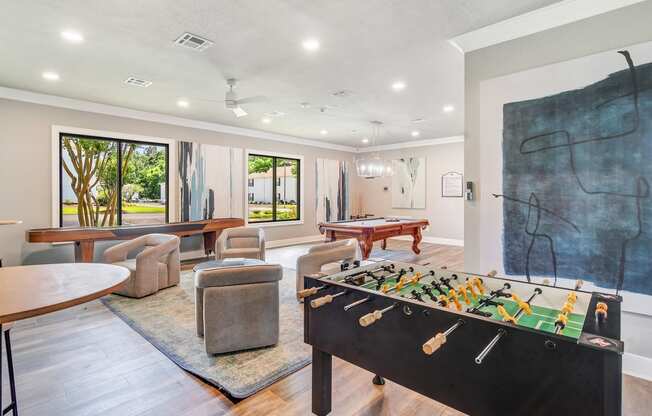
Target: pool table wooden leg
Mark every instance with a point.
(383, 244)
(366, 245)
(330, 236)
(416, 234)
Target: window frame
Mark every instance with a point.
(119, 142)
(300, 188)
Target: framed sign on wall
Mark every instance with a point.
(452, 185)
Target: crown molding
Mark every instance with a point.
(92, 107)
(416, 143)
(555, 15)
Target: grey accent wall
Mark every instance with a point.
(623, 27)
(25, 172)
(445, 214)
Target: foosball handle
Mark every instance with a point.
(307, 292)
(370, 318)
(578, 284)
(434, 343)
(492, 273)
(319, 302)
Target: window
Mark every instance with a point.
(276, 194)
(94, 192)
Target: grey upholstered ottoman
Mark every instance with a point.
(237, 304)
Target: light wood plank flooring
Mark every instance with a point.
(86, 361)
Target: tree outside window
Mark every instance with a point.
(95, 193)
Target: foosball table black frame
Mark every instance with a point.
(528, 372)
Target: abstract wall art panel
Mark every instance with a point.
(577, 168)
(409, 183)
(332, 190)
(210, 180)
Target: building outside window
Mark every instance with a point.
(94, 192)
(275, 187)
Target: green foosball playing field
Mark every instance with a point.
(541, 318)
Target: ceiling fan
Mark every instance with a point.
(232, 102)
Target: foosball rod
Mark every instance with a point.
(380, 269)
(356, 303)
(489, 347)
(494, 295)
(434, 343)
(319, 302)
(374, 316)
(537, 291)
(309, 292)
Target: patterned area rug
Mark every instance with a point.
(167, 320)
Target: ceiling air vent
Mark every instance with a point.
(138, 82)
(188, 40)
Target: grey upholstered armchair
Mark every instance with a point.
(156, 267)
(323, 254)
(242, 242)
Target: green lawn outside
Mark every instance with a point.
(126, 208)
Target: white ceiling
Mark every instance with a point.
(365, 46)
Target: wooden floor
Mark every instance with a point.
(86, 361)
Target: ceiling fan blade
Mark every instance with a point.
(254, 99)
(239, 112)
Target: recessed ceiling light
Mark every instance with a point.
(305, 105)
(183, 103)
(365, 140)
(266, 120)
(418, 120)
(50, 76)
(415, 133)
(72, 36)
(311, 44)
(323, 132)
(398, 86)
(448, 108)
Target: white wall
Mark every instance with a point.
(25, 171)
(609, 31)
(444, 214)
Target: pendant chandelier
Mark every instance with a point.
(373, 166)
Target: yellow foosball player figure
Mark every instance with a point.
(506, 316)
(601, 311)
(562, 318)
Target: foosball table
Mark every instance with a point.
(483, 345)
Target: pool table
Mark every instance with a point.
(374, 229)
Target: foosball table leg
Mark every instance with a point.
(322, 375)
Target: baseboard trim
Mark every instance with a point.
(637, 366)
(294, 241)
(434, 240)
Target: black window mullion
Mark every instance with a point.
(119, 184)
(274, 201)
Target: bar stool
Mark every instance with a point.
(5, 329)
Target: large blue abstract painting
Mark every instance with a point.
(577, 168)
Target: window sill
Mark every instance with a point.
(274, 224)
